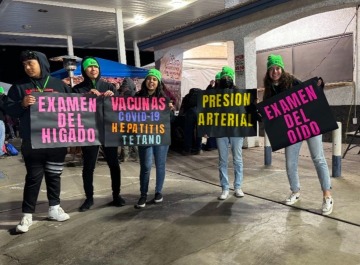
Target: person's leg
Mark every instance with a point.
(160, 155)
(53, 170)
(34, 162)
(90, 154)
(236, 148)
(115, 173)
(188, 133)
(317, 155)
(291, 160)
(146, 159)
(223, 150)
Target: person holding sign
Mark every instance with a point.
(152, 87)
(223, 143)
(276, 81)
(90, 70)
(38, 162)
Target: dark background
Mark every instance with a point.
(12, 70)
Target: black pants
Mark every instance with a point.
(40, 162)
(90, 154)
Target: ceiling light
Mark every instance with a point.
(139, 19)
(178, 3)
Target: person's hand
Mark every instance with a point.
(28, 100)
(320, 82)
(171, 106)
(95, 92)
(108, 93)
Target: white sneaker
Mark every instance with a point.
(327, 206)
(239, 193)
(293, 198)
(224, 195)
(57, 213)
(24, 224)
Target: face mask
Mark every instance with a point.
(226, 83)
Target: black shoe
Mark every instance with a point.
(158, 197)
(118, 201)
(141, 203)
(86, 205)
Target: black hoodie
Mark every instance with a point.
(100, 85)
(25, 87)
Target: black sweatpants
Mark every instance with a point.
(90, 154)
(40, 162)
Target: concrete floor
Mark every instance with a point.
(191, 226)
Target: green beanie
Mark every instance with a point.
(218, 76)
(2, 91)
(89, 62)
(154, 72)
(227, 71)
(275, 60)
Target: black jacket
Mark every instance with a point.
(25, 87)
(127, 88)
(2, 107)
(100, 85)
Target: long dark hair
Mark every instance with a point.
(159, 91)
(285, 82)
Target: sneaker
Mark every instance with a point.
(24, 224)
(56, 213)
(118, 201)
(327, 206)
(141, 203)
(86, 205)
(239, 193)
(224, 195)
(158, 197)
(293, 198)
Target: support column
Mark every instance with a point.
(136, 54)
(246, 78)
(120, 36)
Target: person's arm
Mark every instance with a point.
(15, 103)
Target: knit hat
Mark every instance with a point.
(275, 60)
(227, 71)
(218, 76)
(2, 91)
(154, 72)
(89, 62)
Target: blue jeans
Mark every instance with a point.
(2, 137)
(146, 154)
(236, 144)
(317, 155)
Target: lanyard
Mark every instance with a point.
(42, 89)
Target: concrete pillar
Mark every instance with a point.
(120, 36)
(136, 54)
(247, 79)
